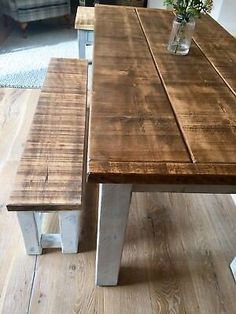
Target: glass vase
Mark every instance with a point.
(181, 35)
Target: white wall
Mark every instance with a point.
(217, 5)
(227, 16)
(155, 4)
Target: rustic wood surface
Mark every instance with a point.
(50, 171)
(156, 117)
(176, 255)
(202, 102)
(85, 18)
(17, 107)
(220, 48)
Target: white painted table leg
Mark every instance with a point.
(69, 229)
(234, 198)
(114, 202)
(233, 264)
(30, 224)
(233, 268)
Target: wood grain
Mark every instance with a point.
(195, 233)
(203, 103)
(85, 18)
(174, 256)
(75, 273)
(13, 114)
(219, 47)
(192, 236)
(50, 172)
(156, 117)
(17, 269)
(163, 173)
(129, 106)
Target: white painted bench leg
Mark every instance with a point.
(85, 38)
(114, 202)
(30, 224)
(69, 224)
(82, 42)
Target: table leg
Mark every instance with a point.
(233, 268)
(114, 202)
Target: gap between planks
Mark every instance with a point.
(191, 155)
(32, 284)
(215, 68)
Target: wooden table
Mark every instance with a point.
(158, 121)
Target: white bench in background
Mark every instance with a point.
(84, 23)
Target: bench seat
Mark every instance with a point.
(50, 174)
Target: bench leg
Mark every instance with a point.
(30, 224)
(69, 224)
(114, 202)
(82, 42)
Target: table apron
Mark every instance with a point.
(185, 188)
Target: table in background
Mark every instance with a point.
(158, 122)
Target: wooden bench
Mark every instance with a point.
(84, 23)
(49, 176)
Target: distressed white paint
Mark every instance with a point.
(35, 241)
(233, 268)
(39, 221)
(85, 41)
(69, 230)
(114, 202)
(29, 228)
(51, 240)
(234, 198)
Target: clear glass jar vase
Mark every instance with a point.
(181, 35)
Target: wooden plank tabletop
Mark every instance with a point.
(220, 48)
(156, 117)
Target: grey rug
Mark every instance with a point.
(24, 61)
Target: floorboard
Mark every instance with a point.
(17, 269)
(176, 255)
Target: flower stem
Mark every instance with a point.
(179, 36)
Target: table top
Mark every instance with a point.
(156, 117)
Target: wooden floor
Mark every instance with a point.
(176, 255)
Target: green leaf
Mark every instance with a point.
(190, 8)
